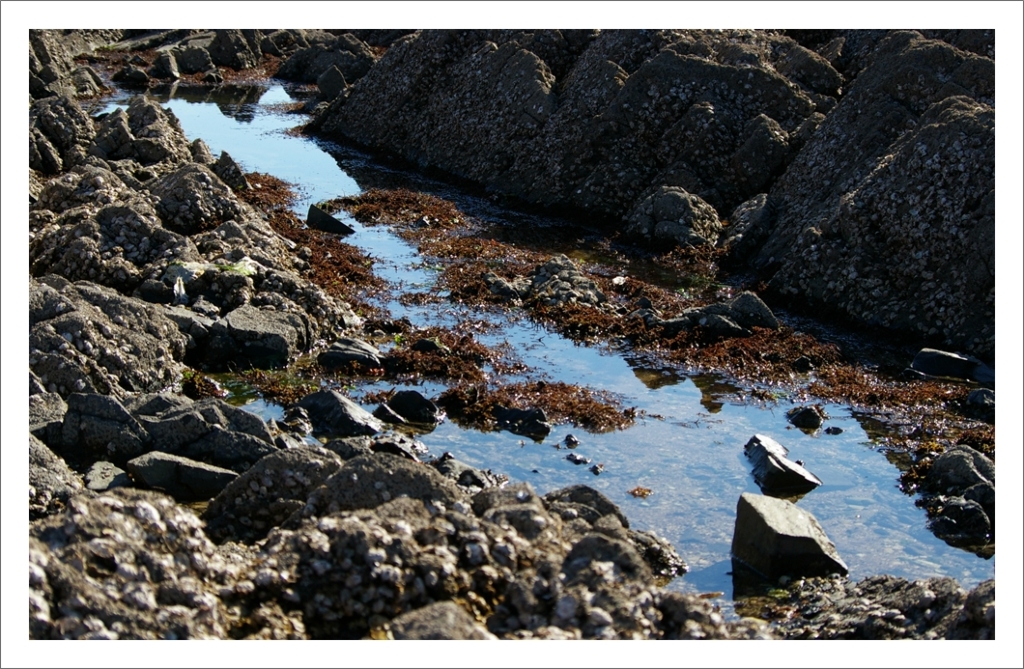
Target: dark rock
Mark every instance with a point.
(51, 482)
(748, 227)
(132, 75)
(183, 479)
(595, 547)
(98, 427)
(346, 351)
(807, 417)
(531, 423)
(350, 447)
(660, 555)
(231, 449)
(977, 619)
(577, 459)
(268, 493)
(103, 476)
(940, 363)
(415, 408)
(981, 402)
(442, 620)
(399, 445)
(230, 172)
(352, 57)
(201, 152)
(213, 77)
(229, 48)
(471, 479)
(194, 199)
(586, 496)
(318, 219)
(333, 413)
(776, 474)
(774, 538)
(962, 521)
(984, 493)
(331, 83)
(429, 346)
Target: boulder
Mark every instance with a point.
(981, 403)
(194, 198)
(230, 172)
(318, 219)
(264, 338)
(441, 620)
(348, 54)
(933, 362)
(333, 413)
(331, 83)
(194, 59)
(165, 67)
(776, 474)
(99, 427)
(415, 408)
(775, 538)
(807, 417)
(183, 479)
(103, 476)
(531, 423)
(347, 351)
(230, 48)
(959, 468)
(671, 214)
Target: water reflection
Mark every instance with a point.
(713, 389)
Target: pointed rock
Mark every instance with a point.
(774, 472)
(318, 219)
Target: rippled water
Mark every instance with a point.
(691, 457)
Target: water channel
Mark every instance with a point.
(690, 455)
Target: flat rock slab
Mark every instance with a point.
(348, 350)
(942, 363)
(333, 413)
(181, 478)
(775, 538)
(775, 473)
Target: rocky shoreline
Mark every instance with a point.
(152, 262)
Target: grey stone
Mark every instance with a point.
(942, 363)
(263, 337)
(229, 48)
(442, 620)
(105, 475)
(981, 402)
(165, 67)
(333, 413)
(776, 474)
(194, 59)
(181, 478)
(99, 426)
(227, 448)
(807, 417)
(959, 468)
(962, 521)
(469, 478)
(348, 350)
(51, 482)
(230, 172)
(46, 417)
(415, 408)
(318, 219)
(774, 538)
(579, 566)
(587, 496)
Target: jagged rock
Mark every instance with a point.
(193, 199)
(183, 479)
(165, 67)
(201, 152)
(65, 126)
(349, 55)
(347, 351)
(748, 227)
(230, 48)
(776, 474)
(977, 619)
(471, 479)
(51, 482)
(960, 521)
(319, 219)
(230, 172)
(733, 318)
(99, 427)
(46, 416)
(441, 620)
(194, 59)
(807, 417)
(774, 538)
(334, 414)
(981, 402)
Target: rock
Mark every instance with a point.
(194, 59)
(776, 474)
(349, 55)
(184, 479)
(774, 538)
(981, 402)
(531, 423)
(844, 200)
(807, 417)
(940, 363)
(977, 619)
(367, 481)
(230, 172)
(962, 522)
(65, 127)
(415, 408)
(268, 493)
(577, 459)
(959, 468)
(125, 541)
(229, 48)
(165, 67)
(748, 227)
(103, 476)
(261, 337)
(194, 198)
(51, 482)
(442, 620)
(426, 345)
(333, 413)
(471, 479)
(671, 214)
(46, 417)
(732, 318)
(579, 564)
(560, 281)
(585, 496)
(98, 427)
(331, 83)
(201, 152)
(347, 351)
(318, 219)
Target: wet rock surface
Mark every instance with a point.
(145, 259)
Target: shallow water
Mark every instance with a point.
(691, 456)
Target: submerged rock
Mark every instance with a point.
(776, 538)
